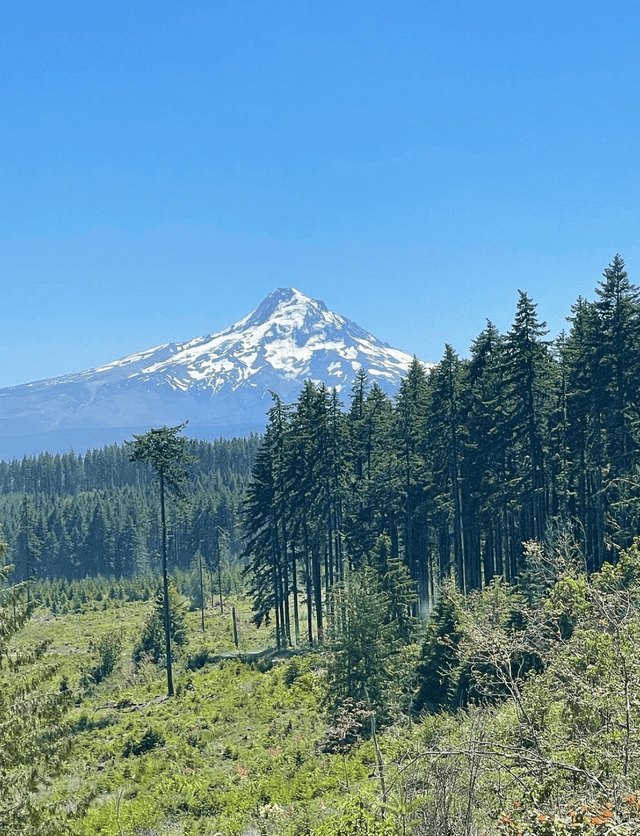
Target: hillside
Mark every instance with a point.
(249, 746)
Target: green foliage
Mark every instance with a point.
(151, 644)
(151, 739)
(624, 574)
(438, 669)
(475, 472)
(472, 462)
(356, 821)
(167, 453)
(350, 726)
(503, 641)
(582, 819)
(244, 748)
(107, 651)
(398, 588)
(32, 729)
(95, 514)
(369, 628)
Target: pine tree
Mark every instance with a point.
(371, 473)
(29, 545)
(585, 430)
(368, 630)
(528, 367)
(618, 356)
(357, 639)
(486, 463)
(166, 451)
(305, 495)
(152, 642)
(265, 513)
(411, 410)
(445, 434)
(398, 587)
(357, 424)
(438, 668)
(559, 451)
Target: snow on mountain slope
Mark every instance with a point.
(220, 382)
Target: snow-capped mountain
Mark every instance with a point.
(220, 382)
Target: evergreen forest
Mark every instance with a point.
(469, 462)
(385, 616)
(71, 516)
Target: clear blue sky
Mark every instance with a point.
(164, 166)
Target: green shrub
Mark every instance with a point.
(108, 651)
(357, 821)
(291, 672)
(152, 640)
(197, 660)
(150, 740)
(264, 665)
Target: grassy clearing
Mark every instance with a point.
(239, 750)
(235, 752)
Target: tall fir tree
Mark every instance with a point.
(411, 415)
(528, 366)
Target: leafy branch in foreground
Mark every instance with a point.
(548, 743)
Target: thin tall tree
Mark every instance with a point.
(166, 451)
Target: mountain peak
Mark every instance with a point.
(221, 383)
(284, 300)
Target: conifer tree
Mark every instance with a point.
(371, 471)
(358, 639)
(445, 440)
(411, 411)
(528, 366)
(618, 356)
(438, 667)
(305, 493)
(152, 641)
(369, 627)
(357, 425)
(166, 451)
(486, 466)
(398, 587)
(559, 451)
(29, 545)
(263, 506)
(585, 430)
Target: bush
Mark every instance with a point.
(357, 821)
(150, 740)
(197, 660)
(152, 640)
(291, 672)
(108, 651)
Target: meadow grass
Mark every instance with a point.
(236, 751)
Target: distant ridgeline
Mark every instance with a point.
(467, 463)
(75, 515)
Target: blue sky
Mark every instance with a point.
(164, 166)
